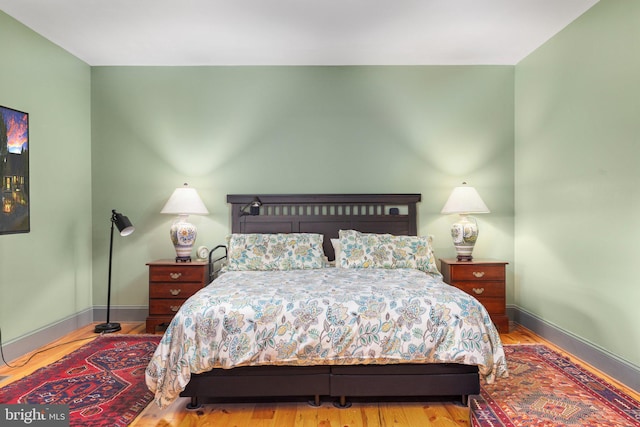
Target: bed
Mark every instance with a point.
(349, 328)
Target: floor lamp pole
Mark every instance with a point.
(109, 327)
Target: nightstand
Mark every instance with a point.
(170, 284)
(485, 280)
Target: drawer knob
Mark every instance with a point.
(174, 308)
(478, 274)
(175, 292)
(175, 276)
(478, 291)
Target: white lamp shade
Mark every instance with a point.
(464, 200)
(185, 200)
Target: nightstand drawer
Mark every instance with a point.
(173, 290)
(482, 289)
(485, 280)
(176, 273)
(165, 306)
(495, 306)
(477, 272)
(170, 284)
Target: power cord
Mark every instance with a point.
(37, 352)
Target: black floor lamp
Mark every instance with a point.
(125, 228)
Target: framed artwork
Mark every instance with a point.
(14, 171)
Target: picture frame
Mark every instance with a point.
(14, 171)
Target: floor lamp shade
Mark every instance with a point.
(123, 224)
(464, 200)
(184, 201)
(125, 228)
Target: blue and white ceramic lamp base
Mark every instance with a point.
(183, 235)
(464, 234)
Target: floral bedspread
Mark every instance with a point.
(323, 316)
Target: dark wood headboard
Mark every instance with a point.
(325, 214)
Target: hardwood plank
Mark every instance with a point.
(438, 416)
(236, 414)
(458, 413)
(306, 416)
(263, 411)
(284, 415)
(415, 413)
(350, 417)
(171, 415)
(328, 415)
(370, 415)
(392, 415)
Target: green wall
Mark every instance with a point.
(254, 130)
(45, 275)
(576, 182)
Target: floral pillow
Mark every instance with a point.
(284, 251)
(362, 250)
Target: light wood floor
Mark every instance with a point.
(411, 414)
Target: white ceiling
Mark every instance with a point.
(297, 32)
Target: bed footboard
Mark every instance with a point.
(340, 382)
(404, 380)
(260, 381)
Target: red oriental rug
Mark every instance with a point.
(545, 389)
(102, 382)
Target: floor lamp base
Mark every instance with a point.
(107, 328)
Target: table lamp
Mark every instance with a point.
(183, 202)
(464, 200)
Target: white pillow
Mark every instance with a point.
(337, 249)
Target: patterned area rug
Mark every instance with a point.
(102, 382)
(544, 389)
